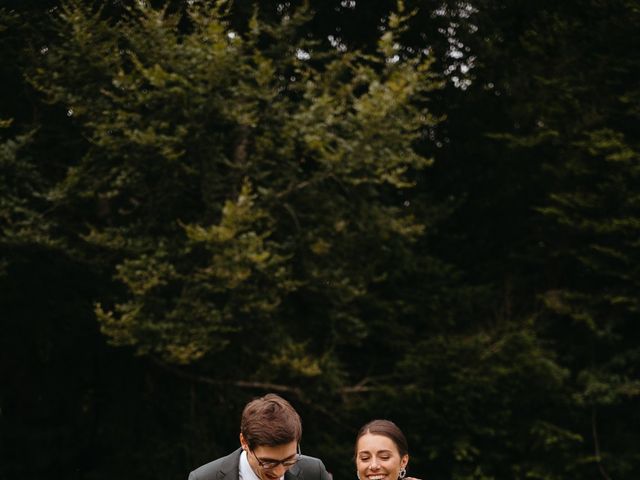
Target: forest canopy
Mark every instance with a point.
(423, 211)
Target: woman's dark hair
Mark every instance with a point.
(388, 429)
(270, 421)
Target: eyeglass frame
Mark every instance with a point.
(271, 464)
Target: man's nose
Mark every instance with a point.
(279, 470)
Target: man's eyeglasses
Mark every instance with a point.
(269, 464)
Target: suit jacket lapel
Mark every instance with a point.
(229, 469)
(294, 473)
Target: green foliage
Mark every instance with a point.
(17, 219)
(233, 170)
(239, 194)
(577, 122)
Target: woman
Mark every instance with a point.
(382, 452)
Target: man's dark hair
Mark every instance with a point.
(270, 421)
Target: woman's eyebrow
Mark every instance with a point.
(378, 452)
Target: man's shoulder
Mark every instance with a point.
(222, 465)
(307, 460)
(312, 467)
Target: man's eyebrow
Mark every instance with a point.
(276, 460)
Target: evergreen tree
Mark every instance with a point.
(243, 184)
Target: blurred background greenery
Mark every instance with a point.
(426, 211)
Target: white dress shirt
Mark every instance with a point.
(245, 472)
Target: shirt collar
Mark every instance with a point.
(245, 472)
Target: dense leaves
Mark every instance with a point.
(228, 175)
(424, 211)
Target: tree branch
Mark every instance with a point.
(596, 444)
(360, 387)
(274, 387)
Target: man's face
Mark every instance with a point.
(264, 454)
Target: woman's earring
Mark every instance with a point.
(403, 473)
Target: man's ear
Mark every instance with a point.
(243, 442)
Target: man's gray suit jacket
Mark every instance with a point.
(307, 468)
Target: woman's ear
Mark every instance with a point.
(404, 461)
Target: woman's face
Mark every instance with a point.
(377, 458)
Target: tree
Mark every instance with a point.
(237, 179)
(569, 122)
(240, 194)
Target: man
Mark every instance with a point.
(270, 432)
